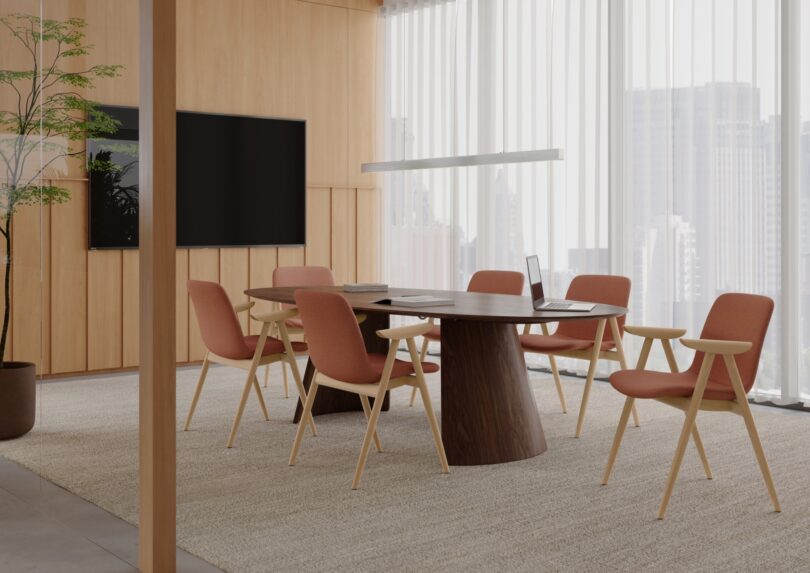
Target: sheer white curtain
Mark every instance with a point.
(702, 193)
(475, 76)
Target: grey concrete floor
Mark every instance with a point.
(44, 528)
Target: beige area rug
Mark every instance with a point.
(245, 510)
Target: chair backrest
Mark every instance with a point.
(737, 316)
(601, 289)
(219, 327)
(335, 343)
(302, 277)
(496, 282)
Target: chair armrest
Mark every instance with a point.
(243, 306)
(409, 331)
(276, 316)
(717, 346)
(659, 333)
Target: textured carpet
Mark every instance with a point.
(245, 510)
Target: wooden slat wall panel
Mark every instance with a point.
(319, 227)
(69, 282)
(234, 276)
(344, 238)
(104, 309)
(323, 50)
(362, 98)
(263, 261)
(368, 235)
(290, 256)
(181, 305)
(203, 264)
(130, 316)
(30, 288)
(322, 81)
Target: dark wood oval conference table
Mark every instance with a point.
(488, 411)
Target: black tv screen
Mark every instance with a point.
(240, 181)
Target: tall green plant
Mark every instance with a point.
(48, 113)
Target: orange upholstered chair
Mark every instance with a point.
(297, 277)
(226, 344)
(339, 355)
(734, 331)
(492, 282)
(585, 339)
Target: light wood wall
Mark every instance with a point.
(284, 58)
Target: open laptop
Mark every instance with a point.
(538, 299)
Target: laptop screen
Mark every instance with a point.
(535, 281)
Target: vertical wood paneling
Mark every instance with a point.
(30, 287)
(319, 227)
(69, 282)
(290, 58)
(233, 276)
(130, 318)
(104, 309)
(290, 256)
(344, 238)
(362, 99)
(263, 261)
(321, 81)
(181, 304)
(203, 264)
(368, 235)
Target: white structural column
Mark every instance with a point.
(791, 98)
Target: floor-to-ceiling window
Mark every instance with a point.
(702, 196)
(475, 76)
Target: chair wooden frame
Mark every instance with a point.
(377, 391)
(690, 406)
(252, 364)
(592, 356)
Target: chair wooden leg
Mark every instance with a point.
(422, 356)
(434, 426)
(284, 378)
(266, 375)
(307, 413)
(245, 393)
(597, 344)
(556, 373)
(742, 400)
(261, 398)
(370, 431)
(197, 391)
(617, 440)
(617, 340)
(367, 412)
(701, 452)
(302, 393)
(760, 453)
(686, 431)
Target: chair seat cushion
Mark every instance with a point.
(401, 367)
(649, 384)
(272, 345)
(543, 344)
(434, 333)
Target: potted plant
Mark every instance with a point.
(47, 120)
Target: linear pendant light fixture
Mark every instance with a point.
(529, 156)
(464, 160)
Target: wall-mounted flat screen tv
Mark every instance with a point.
(241, 181)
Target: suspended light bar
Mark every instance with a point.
(464, 160)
